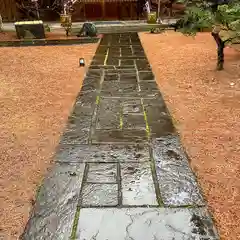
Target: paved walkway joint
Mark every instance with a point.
(120, 171)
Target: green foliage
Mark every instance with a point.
(204, 16)
(156, 30)
(195, 20)
(47, 28)
(228, 14)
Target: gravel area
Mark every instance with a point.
(205, 105)
(38, 87)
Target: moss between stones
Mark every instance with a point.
(155, 181)
(121, 121)
(152, 164)
(106, 57)
(75, 224)
(97, 100)
(146, 120)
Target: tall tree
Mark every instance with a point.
(221, 16)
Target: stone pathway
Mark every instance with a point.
(120, 172)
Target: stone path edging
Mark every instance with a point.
(48, 42)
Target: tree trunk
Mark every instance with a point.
(220, 50)
(1, 24)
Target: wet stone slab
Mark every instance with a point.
(54, 212)
(97, 62)
(114, 55)
(102, 50)
(111, 77)
(86, 99)
(90, 84)
(134, 121)
(129, 89)
(125, 67)
(133, 57)
(139, 53)
(138, 49)
(98, 57)
(109, 105)
(159, 123)
(126, 52)
(158, 117)
(128, 77)
(78, 123)
(112, 61)
(109, 120)
(102, 173)
(155, 105)
(137, 184)
(101, 67)
(114, 51)
(119, 136)
(110, 88)
(146, 75)
(176, 180)
(97, 194)
(148, 86)
(80, 118)
(94, 73)
(108, 115)
(121, 71)
(159, 130)
(75, 136)
(127, 62)
(143, 65)
(145, 224)
(132, 106)
(103, 153)
(156, 100)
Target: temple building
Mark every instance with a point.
(84, 10)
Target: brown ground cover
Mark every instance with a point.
(38, 86)
(205, 105)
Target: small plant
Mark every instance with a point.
(156, 30)
(222, 17)
(68, 28)
(47, 28)
(67, 9)
(66, 23)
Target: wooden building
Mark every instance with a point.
(8, 10)
(106, 10)
(12, 10)
(122, 9)
(91, 10)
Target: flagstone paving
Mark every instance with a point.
(120, 170)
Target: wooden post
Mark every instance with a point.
(84, 11)
(131, 10)
(103, 9)
(1, 24)
(158, 14)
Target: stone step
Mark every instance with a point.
(123, 28)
